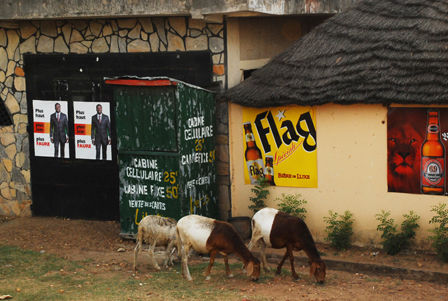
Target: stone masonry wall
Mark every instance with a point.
(92, 36)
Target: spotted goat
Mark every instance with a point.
(275, 229)
(206, 235)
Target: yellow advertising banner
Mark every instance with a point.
(281, 146)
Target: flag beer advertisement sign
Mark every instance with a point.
(280, 145)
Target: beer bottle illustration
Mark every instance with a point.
(269, 170)
(254, 159)
(433, 157)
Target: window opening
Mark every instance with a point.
(5, 118)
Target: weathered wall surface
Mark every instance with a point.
(57, 9)
(81, 37)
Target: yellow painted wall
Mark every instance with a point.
(352, 174)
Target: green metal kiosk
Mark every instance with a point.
(166, 149)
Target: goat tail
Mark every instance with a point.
(140, 239)
(178, 244)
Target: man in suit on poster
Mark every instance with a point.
(100, 132)
(58, 130)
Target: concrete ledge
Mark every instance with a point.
(387, 271)
(210, 11)
(368, 269)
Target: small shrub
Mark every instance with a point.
(292, 205)
(394, 242)
(440, 238)
(261, 193)
(340, 229)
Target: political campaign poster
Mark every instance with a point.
(51, 128)
(92, 130)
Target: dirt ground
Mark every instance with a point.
(100, 241)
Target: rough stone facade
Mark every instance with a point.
(83, 37)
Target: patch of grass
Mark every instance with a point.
(333, 277)
(373, 280)
(395, 260)
(285, 272)
(24, 263)
(411, 259)
(28, 275)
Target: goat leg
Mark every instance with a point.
(151, 255)
(263, 256)
(291, 260)
(279, 267)
(168, 252)
(251, 244)
(184, 259)
(136, 250)
(212, 261)
(174, 248)
(226, 262)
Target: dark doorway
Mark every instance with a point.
(79, 188)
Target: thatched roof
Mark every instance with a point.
(377, 51)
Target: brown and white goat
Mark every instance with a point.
(276, 229)
(156, 231)
(206, 235)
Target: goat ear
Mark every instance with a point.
(313, 268)
(250, 268)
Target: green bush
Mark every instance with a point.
(340, 229)
(394, 242)
(292, 205)
(440, 238)
(261, 193)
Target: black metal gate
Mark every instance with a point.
(78, 188)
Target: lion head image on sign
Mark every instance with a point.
(405, 135)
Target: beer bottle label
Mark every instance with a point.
(433, 129)
(433, 173)
(268, 171)
(255, 168)
(250, 137)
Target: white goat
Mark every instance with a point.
(207, 235)
(156, 231)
